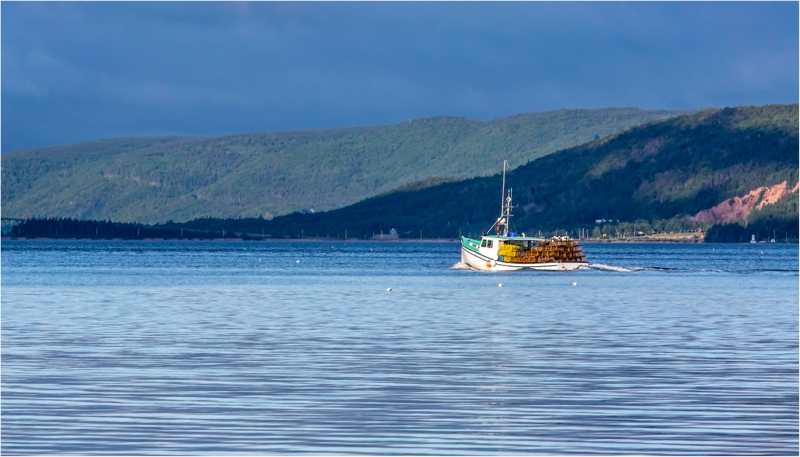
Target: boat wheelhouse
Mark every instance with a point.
(509, 251)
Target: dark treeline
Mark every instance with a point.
(738, 233)
(73, 228)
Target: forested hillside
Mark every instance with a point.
(266, 174)
(662, 172)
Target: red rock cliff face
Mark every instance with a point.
(740, 207)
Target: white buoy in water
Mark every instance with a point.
(574, 283)
(500, 285)
(297, 261)
(389, 289)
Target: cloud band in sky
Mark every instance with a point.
(80, 71)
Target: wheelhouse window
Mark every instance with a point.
(483, 243)
(489, 243)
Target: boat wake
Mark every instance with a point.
(593, 266)
(603, 267)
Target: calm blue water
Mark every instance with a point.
(235, 348)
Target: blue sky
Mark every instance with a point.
(80, 71)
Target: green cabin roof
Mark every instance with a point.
(510, 238)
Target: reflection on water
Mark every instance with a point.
(235, 348)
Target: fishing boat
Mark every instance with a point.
(510, 251)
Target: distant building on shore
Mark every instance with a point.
(391, 236)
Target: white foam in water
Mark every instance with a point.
(595, 266)
(600, 266)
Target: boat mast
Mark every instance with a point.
(501, 227)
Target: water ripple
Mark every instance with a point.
(147, 355)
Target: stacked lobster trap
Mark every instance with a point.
(556, 249)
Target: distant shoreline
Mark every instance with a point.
(225, 240)
(353, 240)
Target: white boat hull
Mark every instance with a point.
(480, 262)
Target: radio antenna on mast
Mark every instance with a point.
(503, 189)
